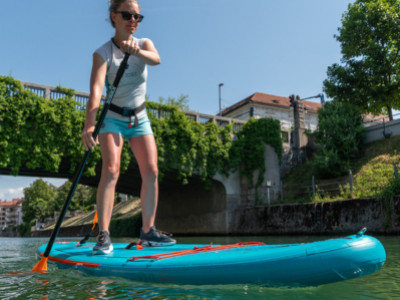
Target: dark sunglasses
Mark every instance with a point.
(126, 15)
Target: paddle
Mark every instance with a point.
(42, 264)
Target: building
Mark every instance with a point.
(10, 213)
(261, 105)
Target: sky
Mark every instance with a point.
(276, 47)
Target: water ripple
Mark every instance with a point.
(17, 257)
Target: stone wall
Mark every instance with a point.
(338, 217)
(68, 231)
(9, 234)
(346, 216)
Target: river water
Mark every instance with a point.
(17, 257)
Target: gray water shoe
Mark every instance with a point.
(103, 245)
(156, 238)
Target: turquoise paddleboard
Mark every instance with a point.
(308, 264)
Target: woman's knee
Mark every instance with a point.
(110, 171)
(151, 173)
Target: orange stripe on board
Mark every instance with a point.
(196, 250)
(72, 262)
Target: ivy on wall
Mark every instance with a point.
(189, 147)
(247, 152)
(37, 134)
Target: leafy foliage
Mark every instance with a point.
(126, 227)
(38, 201)
(391, 189)
(339, 137)
(39, 133)
(43, 199)
(83, 199)
(373, 172)
(247, 152)
(182, 102)
(190, 147)
(205, 149)
(370, 42)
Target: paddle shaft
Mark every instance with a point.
(78, 174)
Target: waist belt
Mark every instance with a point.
(128, 112)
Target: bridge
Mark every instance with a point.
(183, 209)
(50, 92)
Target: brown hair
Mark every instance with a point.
(115, 4)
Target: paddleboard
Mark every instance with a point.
(308, 264)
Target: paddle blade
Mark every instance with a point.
(41, 265)
(95, 220)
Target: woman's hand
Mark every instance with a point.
(130, 47)
(87, 138)
(148, 54)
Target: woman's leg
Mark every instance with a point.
(145, 150)
(111, 147)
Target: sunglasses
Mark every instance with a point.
(126, 15)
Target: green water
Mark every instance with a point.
(18, 254)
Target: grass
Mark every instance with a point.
(372, 172)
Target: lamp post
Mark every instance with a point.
(219, 92)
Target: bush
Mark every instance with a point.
(126, 227)
(339, 137)
(391, 190)
(328, 164)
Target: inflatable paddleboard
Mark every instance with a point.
(308, 264)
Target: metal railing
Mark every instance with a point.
(82, 98)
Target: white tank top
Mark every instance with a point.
(131, 91)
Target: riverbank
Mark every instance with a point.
(335, 217)
(125, 219)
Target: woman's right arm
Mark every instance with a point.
(98, 75)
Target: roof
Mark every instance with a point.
(273, 100)
(375, 118)
(14, 202)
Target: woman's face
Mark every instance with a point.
(126, 26)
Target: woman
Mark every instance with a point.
(127, 118)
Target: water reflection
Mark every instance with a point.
(17, 257)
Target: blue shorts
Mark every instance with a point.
(122, 128)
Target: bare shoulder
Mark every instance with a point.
(148, 44)
(98, 59)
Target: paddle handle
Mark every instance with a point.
(79, 172)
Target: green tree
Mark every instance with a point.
(339, 137)
(38, 198)
(83, 199)
(182, 101)
(370, 45)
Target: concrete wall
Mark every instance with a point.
(375, 132)
(346, 216)
(192, 209)
(339, 217)
(67, 231)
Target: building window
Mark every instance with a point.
(285, 136)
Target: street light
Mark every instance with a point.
(219, 90)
